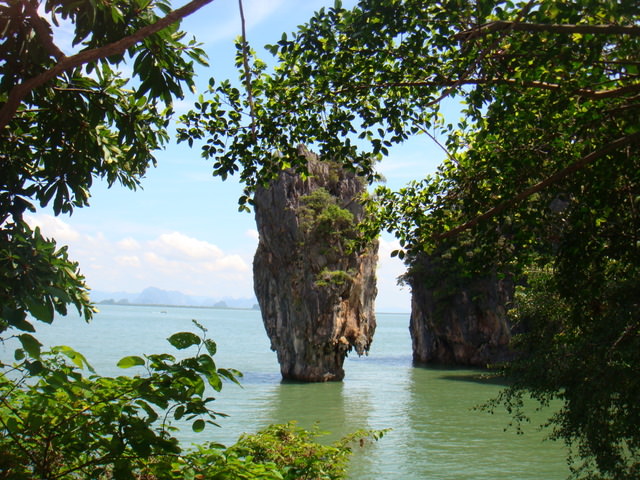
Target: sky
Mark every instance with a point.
(182, 231)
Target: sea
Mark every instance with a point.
(436, 429)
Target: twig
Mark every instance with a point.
(439, 144)
(247, 73)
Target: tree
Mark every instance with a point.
(65, 120)
(539, 174)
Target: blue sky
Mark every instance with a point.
(183, 231)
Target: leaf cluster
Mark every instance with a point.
(321, 218)
(279, 452)
(57, 423)
(67, 119)
(541, 170)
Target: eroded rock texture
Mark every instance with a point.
(459, 321)
(316, 299)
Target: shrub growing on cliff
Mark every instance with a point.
(323, 220)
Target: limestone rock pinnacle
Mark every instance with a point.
(316, 294)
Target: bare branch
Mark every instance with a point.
(567, 29)
(247, 72)
(19, 91)
(453, 159)
(584, 161)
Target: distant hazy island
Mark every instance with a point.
(157, 296)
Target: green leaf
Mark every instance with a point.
(17, 319)
(30, 344)
(76, 357)
(179, 413)
(41, 309)
(198, 425)
(130, 361)
(184, 340)
(215, 382)
(211, 346)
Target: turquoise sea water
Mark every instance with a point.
(436, 432)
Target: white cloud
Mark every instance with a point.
(128, 261)
(128, 244)
(178, 245)
(173, 261)
(391, 297)
(53, 227)
(230, 262)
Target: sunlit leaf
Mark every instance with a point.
(130, 361)
(184, 340)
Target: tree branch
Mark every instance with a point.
(43, 29)
(247, 73)
(583, 92)
(19, 91)
(584, 161)
(566, 29)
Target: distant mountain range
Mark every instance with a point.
(157, 296)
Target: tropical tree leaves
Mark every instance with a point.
(68, 119)
(55, 421)
(540, 173)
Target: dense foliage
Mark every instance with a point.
(57, 423)
(541, 173)
(68, 118)
(323, 222)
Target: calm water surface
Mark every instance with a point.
(437, 434)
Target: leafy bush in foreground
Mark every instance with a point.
(57, 423)
(284, 452)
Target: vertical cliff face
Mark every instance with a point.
(459, 321)
(316, 298)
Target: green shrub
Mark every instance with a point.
(279, 452)
(57, 423)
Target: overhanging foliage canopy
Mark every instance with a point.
(66, 119)
(542, 172)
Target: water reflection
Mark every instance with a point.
(449, 438)
(324, 404)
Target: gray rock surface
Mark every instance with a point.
(316, 299)
(459, 321)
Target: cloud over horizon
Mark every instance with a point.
(176, 261)
(172, 261)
